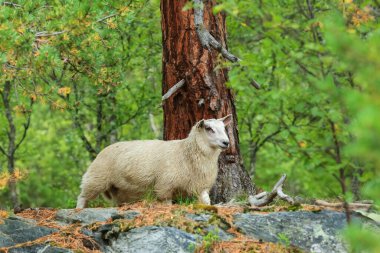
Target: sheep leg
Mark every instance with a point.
(165, 195)
(90, 190)
(168, 202)
(205, 198)
(81, 202)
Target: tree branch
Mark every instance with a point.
(173, 89)
(78, 125)
(47, 34)
(268, 138)
(351, 206)
(8, 114)
(207, 40)
(11, 4)
(106, 17)
(265, 198)
(3, 151)
(26, 127)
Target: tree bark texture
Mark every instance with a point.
(204, 94)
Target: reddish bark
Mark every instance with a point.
(204, 94)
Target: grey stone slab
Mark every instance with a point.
(313, 232)
(154, 240)
(91, 215)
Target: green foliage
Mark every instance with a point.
(311, 119)
(362, 240)
(185, 199)
(284, 240)
(316, 116)
(87, 68)
(209, 240)
(93, 70)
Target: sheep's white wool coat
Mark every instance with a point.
(125, 170)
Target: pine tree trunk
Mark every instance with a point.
(204, 94)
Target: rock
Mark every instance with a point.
(30, 234)
(220, 233)
(5, 240)
(91, 215)
(199, 217)
(204, 219)
(313, 232)
(14, 230)
(39, 248)
(14, 223)
(154, 239)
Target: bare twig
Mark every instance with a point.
(265, 198)
(351, 206)
(173, 89)
(153, 125)
(106, 17)
(207, 40)
(47, 34)
(11, 4)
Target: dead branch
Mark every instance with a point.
(264, 198)
(106, 17)
(11, 4)
(255, 84)
(47, 34)
(351, 206)
(261, 208)
(153, 125)
(173, 89)
(207, 40)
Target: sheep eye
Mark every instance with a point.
(209, 129)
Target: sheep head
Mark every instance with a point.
(214, 131)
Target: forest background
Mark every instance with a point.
(79, 75)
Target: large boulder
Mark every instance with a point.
(15, 230)
(114, 230)
(310, 231)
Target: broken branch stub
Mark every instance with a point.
(173, 89)
(264, 198)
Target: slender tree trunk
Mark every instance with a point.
(113, 104)
(204, 94)
(252, 158)
(11, 143)
(355, 183)
(12, 182)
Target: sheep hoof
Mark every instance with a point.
(168, 202)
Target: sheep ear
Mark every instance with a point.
(201, 124)
(227, 120)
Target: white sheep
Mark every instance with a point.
(124, 171)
